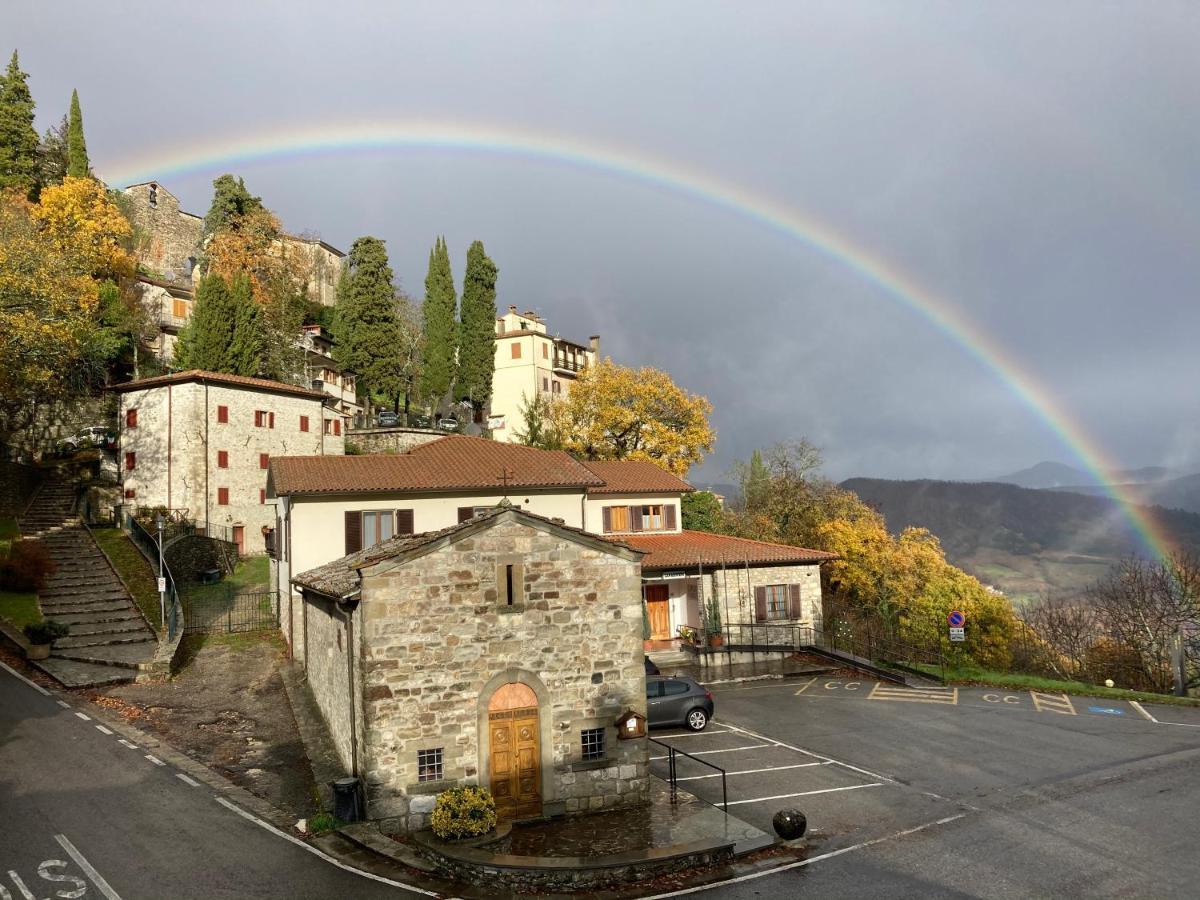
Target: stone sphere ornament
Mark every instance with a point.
(1108, 682)
(790, 824)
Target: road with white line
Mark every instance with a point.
(91, 815)
(973, 792)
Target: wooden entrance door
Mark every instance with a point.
(239, 538)
(515, 763)
(658, 608)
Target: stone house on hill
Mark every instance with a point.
(334, 505)
(201, 442)
(498, 651)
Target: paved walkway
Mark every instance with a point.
(109, 638)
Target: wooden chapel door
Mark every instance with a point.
(515, 754)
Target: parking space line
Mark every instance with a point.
(755, 771)
(1055, 703)
(793, 747)
(726, 750)
(904, 694)
(695, 733)
(807, 685)
(851, 787)
(1143, 711)
(80, 860)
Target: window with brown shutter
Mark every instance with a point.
(271, 420)
(337, 427)
(606, 518)
(222, 459)
(635, 518)
(617, 519)
(131, 418)
(353, 531)
(304, 423)
(130, 461)
(795, 608)
(771, 602)
(262, 496)
(264, 460)
(760, 604)
(222, 415)
(545, 351)
(669, 515)
(404, 521)
(223, 496)
(465, 513)
(130, 493)
(516, 350)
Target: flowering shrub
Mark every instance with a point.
(463, 812)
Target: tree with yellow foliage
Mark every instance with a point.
(614, 412)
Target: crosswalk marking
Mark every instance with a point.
(1056, 703)
(904, 694)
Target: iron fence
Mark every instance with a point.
(673, 770)
(149, 547)
(222, 609)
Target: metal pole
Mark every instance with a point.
(162, 582)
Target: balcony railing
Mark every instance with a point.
(567, 364)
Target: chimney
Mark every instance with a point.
(512, 310)
(594, 344)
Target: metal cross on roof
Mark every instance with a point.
(505, 476)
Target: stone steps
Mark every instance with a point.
(75, 674)
(100, 639)
(124, 655)
(102, 617)
(49, 599)
(52, 608)
(119, 627)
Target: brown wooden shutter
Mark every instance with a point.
(794, 607)
(606, 516)
(271, 420)
(760, 604)
(669, 516)
(404, 521)
(353, 531)
(635, 518)
(465, 513)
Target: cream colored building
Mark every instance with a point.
(330, 507)
(323, 373)
(202, 442)
(530, 363)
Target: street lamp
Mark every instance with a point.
(162, 578)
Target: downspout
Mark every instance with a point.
(287, 532)
(170, 428)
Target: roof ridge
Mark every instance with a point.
(747, 540)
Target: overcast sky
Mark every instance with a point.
(1034, 164)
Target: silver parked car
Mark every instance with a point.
(677, 700)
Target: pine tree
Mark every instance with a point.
(77, 158)
(439, 326)
(18, 139)
(477, 329)
(52, 155)
(204, 342)
(366, 330)
(247, 344)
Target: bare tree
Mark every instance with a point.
(1067, 627)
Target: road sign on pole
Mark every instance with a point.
(958, 634)
(957, 619)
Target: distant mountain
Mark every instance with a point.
(1025, 542)
(1057, 475)
(1175, 493)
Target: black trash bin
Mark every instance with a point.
(347, 804)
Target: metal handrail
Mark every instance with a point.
(673, 772)
(149, 548)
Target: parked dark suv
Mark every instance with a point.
(677, 700)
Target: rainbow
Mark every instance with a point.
(285, 143)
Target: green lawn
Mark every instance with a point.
(971, 675)
(9, 532)
(250, 575)
(135, 571)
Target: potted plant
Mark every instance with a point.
(42, 636)
(712, 624)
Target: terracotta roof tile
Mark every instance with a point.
(454, 462)
(340, 578)
(260, 384)
(629, 476)
(691, 548)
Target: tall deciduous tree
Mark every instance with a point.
(701, 511)
(224, 333)
(439, 326)
(18, 139)
(366, 329)
(231, 201)
(52, 155)
(613, 412)
(77, 157)
(477, 329)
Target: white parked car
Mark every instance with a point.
(93, 436)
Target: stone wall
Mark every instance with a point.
(189, 556)
(17, 484)
(733, 589)
(438, 644)
(326, 648)
(170, 237)
(390, 440)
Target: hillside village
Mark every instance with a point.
(464, 546)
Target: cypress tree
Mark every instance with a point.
(477, 329)
(18, 139)
(77, 158)
(439, 326)
(230, 200)
(52, 155)
(247, 343)
(204, 342)
(366, 330)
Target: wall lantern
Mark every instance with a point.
(631, 725)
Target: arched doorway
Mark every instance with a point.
(515, 754)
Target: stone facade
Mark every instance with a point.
(435, 640)
(170, 240)
(390, 440)
(324, 265)
(733, 588)
(184, 457)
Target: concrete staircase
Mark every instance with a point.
(109, 639)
